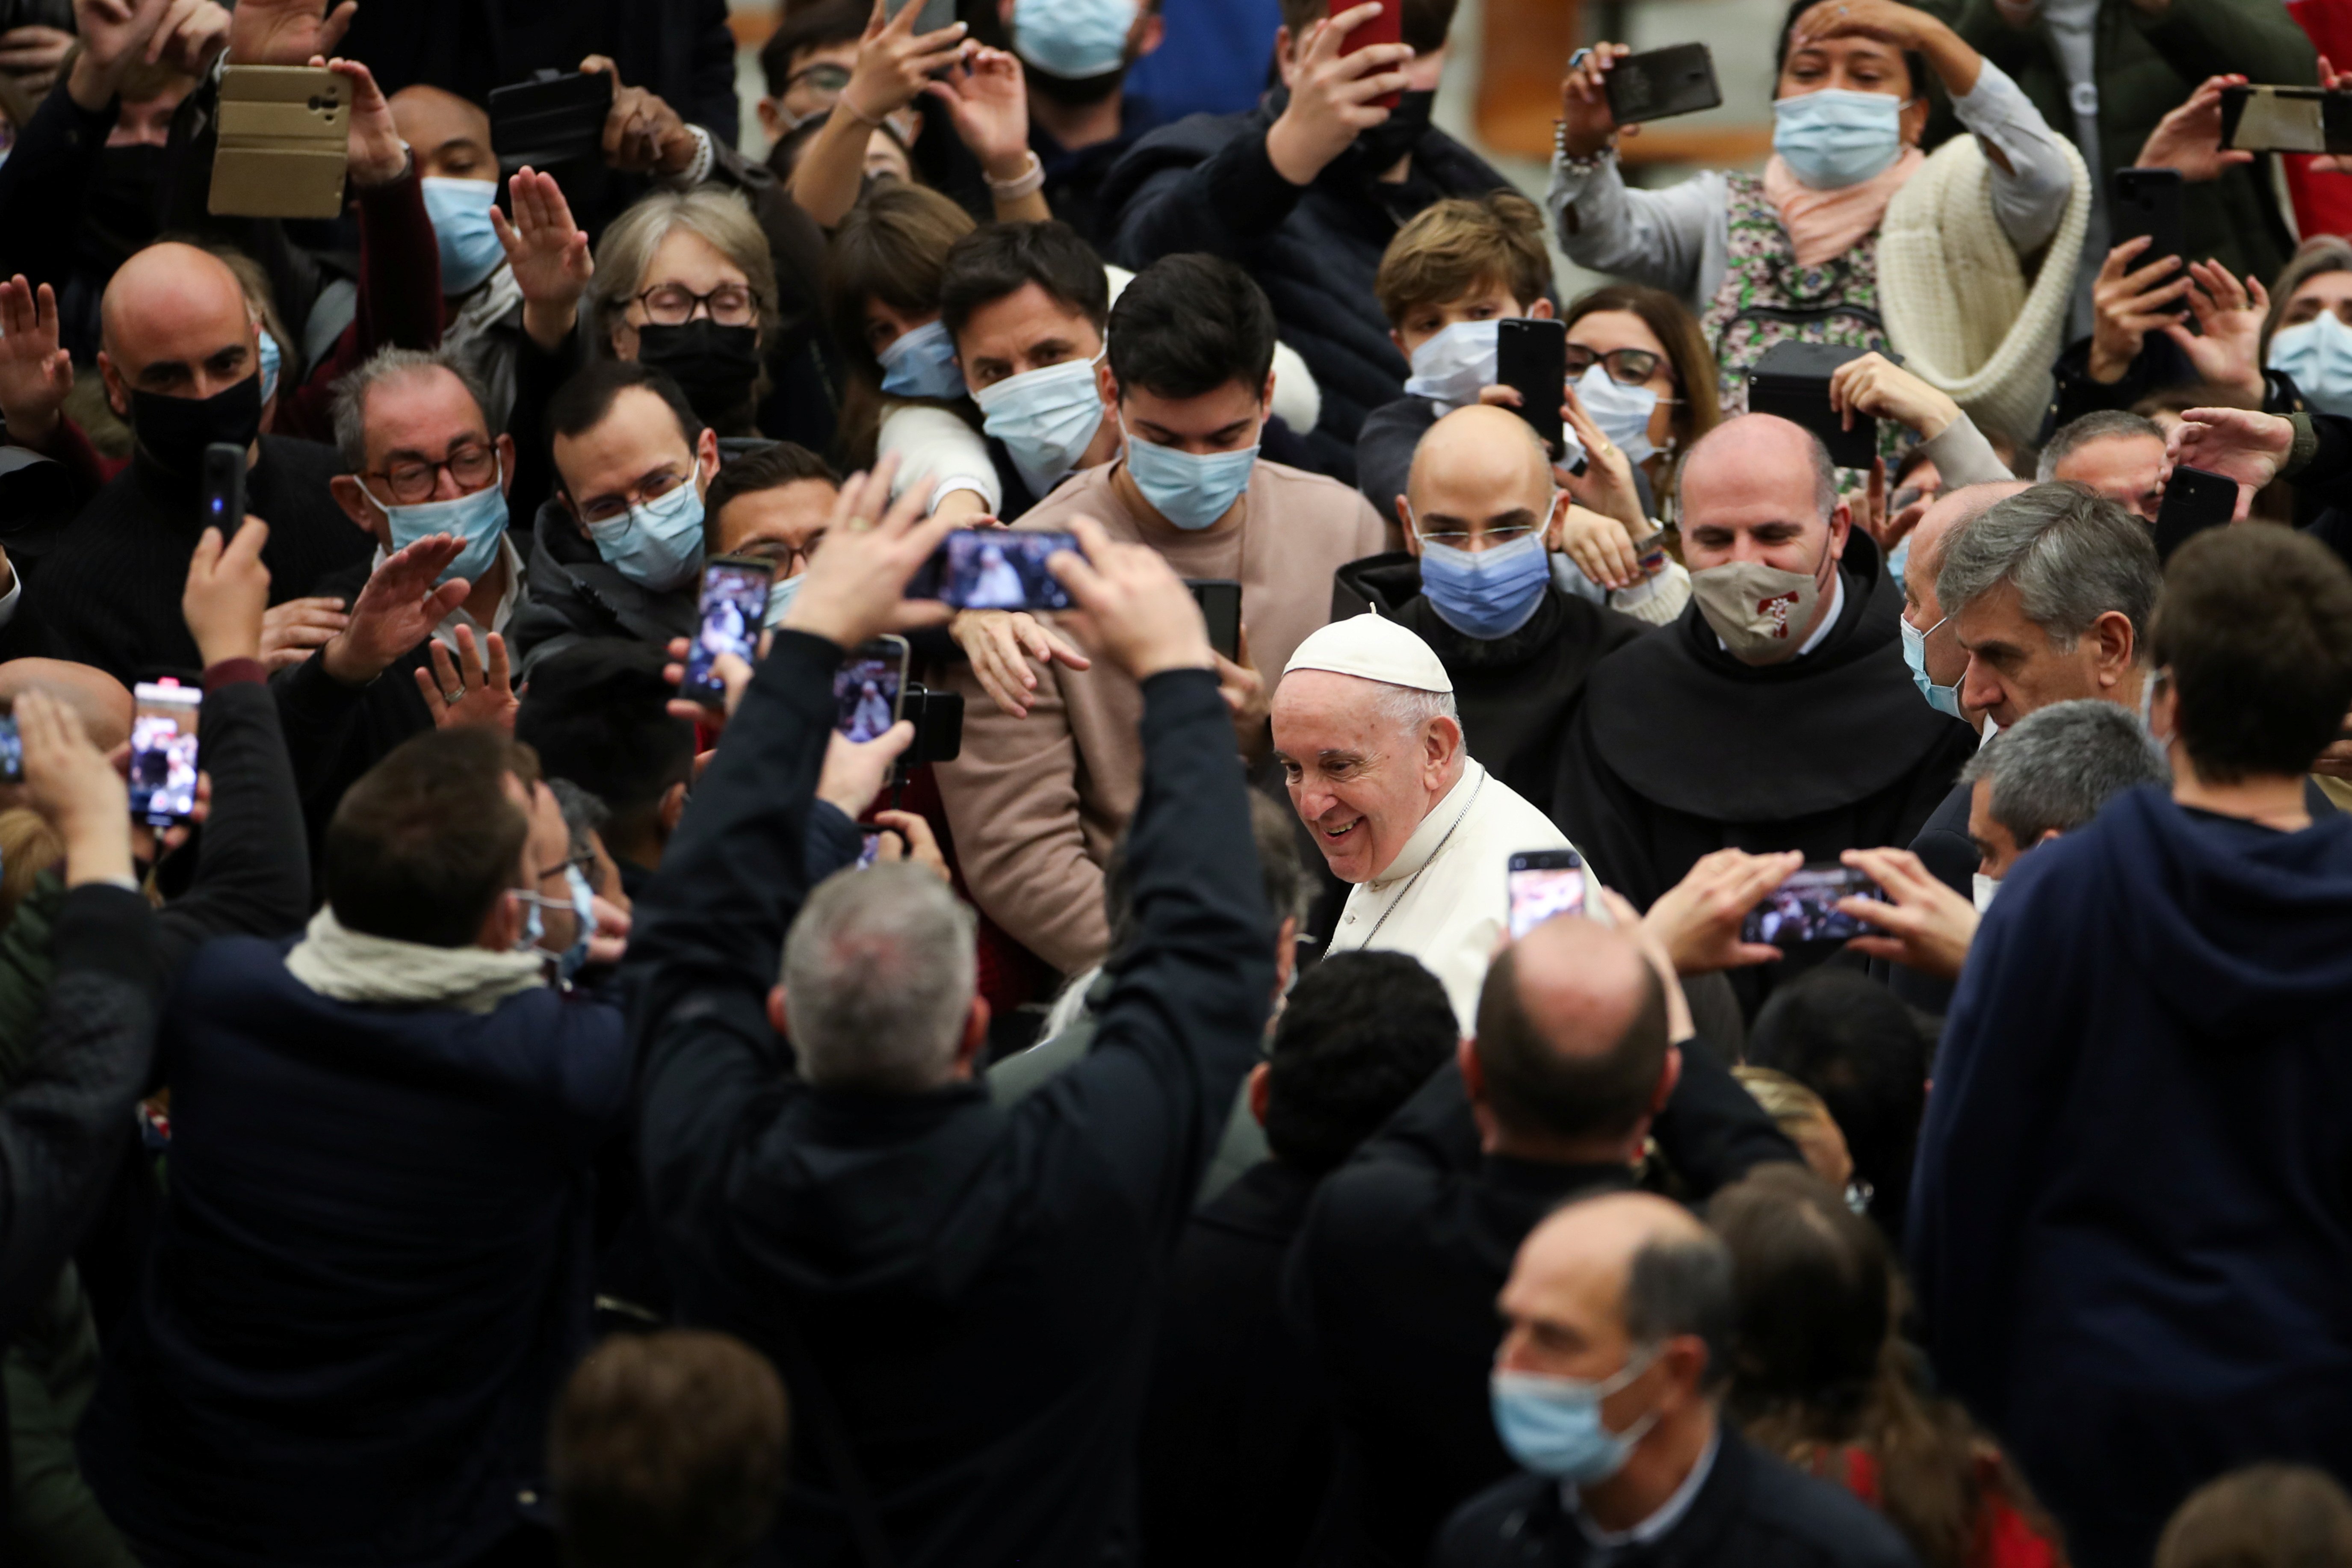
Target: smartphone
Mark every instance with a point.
(163, 751)
(734, 601)
(869, 844)
(1219, 599)
(935, 14)
(1804, 908)
(12, 750)
(2287, 119)
(1658, 84)
(2148, 201)
(223, 489)
(1792, 380)
(2194, 500)
(869, 689)
(993, 569)
(1531, 358)
(1543, 883)
(284, 141)
(1388, 28)
(554, 118)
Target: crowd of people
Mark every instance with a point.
(1256, 953)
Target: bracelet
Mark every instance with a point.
(1583, 166)
(1029, 181)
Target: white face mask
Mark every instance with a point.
(2318, 355)
(1623, 412)
(1451, 366)
(1986, 886)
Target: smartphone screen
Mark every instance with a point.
(734, 600)
(869, 847)
(1804, 908)
(1388, 28)
(1543, 883)
(994, 569)
(12, 750)
(869, 687)
(163, 753)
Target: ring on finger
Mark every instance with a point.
(453, 696)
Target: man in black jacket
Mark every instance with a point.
(1581, 1044)
(1622, 1305)
(1306, 190)
(960, 1298)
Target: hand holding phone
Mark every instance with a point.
(2150, 202)
(554, 118)
(1792, 380)
(1803, 910)
(2194, 500)
(869, 689)
(993, 569)
(1660, 83)
(283, 142)
(734, 603)
(1388, 28)
(1543, 883)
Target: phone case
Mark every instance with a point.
(2287, 119)
(2194, 500)
(2148, 201)
(1531, 357)
(1388, 28)
(551, 118)
(285, 134)
(1219, 599)
(935, 14)
(1662, 83)
(1792, 380)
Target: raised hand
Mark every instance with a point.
(76, 790)
(378, 155)
(1000, 644)
(397, 609)
(2189, 138)
(2128, 305)
(895, 63)
(549, 254)
(293, 631)
(1331, 94)
(1600, 546)
(1928, 926)
(1876, 387)
(854, 771)
(2250, 447)
(1606, 486)
(115, 35)
(988, 101)
(1132, 606)
(642, 133)
(34, 55)
(35, 374)
(910, 829)
(191, 34)
(227, 594)
(1698, 919)
(2224, 348)
(857, 585)
(469, 689)
(286, 32)
(1586, 123)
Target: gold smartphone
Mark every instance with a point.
(284, 138)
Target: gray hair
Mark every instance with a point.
(1409, 708)
(626, 251)
(1680, 1286)
(2101, 424)
(2074, 554)
(392, 364)
(879, 970)
(2057, 766)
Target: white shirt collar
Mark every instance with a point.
(445, 633)
(1668, 1515)
(1449, 810)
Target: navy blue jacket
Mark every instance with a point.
(372, 1274)
(2131, 1228)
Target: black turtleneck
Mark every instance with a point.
(110, 595)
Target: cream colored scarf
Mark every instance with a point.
(351, 966)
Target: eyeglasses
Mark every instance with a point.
(608, 509)
(826, 77)
(674, 304)
(1487, 539)
(1627, 367)
(414, 480)
(787, 558)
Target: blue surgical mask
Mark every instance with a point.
(780, 599)
(656, 545)
(1072, 39)
(1189, 490)
(479, 519)
(1044, 418)
(1553, 1424)
(922, 364)
(1942, 698)
(1623, 412)
(1451, 367)
(2318, 355)
(1485, 593)
(1836, 137)
(272, 357)
(460, 211)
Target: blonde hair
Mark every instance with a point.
(29, 847)
(626, 251)
(1460, 245)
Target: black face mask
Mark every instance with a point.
(120, 206)
(1382, 144)
(715, 364)
(175, 431)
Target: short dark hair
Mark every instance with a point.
(582, 402)
(998, 259)
(1922, 82)
(1812, 1281)
(768, 468)
(597, 713)
(827, 25)
(1682, 1284)
(667, 1450)
(1361, 1033)
(424, 844)
(1190, 324)
(2256, 628)
(2099, 424)
(2071, 553)
(1532, 1085)
(1425, 23)
(1850, 1040)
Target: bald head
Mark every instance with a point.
(1571, 1044)
(175, 323)
(1476, 464)
(101, 701)
(1604, 1234)
(1759, 456)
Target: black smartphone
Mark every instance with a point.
(163, 751)
(2148, 201)
(1219, 599)
(1792, 380)
(554, 118)
(734, 603)
(1542, 883)
(870, 688)
(1804, 908)
(1658, 84)
(2287, 119)
(993, 569)
(1531, 358)
(934, 15)
(223, 494)
(12, 750)
(2194, 500)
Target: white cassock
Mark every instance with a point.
(1445, 899)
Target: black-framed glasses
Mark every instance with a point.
(412, 480)
(784, 556)
(674, 304)
(1626, 367)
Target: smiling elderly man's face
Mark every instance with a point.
(1358, 778)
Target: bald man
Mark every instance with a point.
(1474, 581)
(182, 363)
(101, 702)
(1777, 713)
(1622, 1305)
